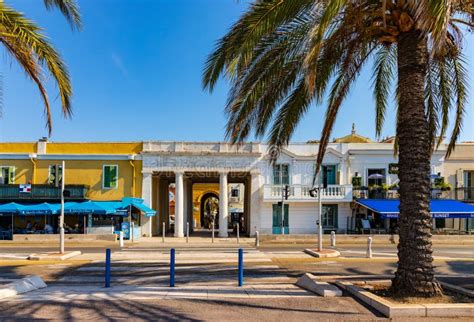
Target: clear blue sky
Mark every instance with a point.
(136, 70)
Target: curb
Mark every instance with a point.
(309, 282)
(326, 253)
(54, 256)
(27, 284)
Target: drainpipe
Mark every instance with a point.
(130, 159)
(32, 159)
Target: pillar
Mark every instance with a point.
(179, 206)
(223, 204)
(147, 197)
(255, 202)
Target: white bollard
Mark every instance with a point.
(187, 232)
(333, 239)
(238, 234)
(257, 239)
(163, 232)
(121, 238)
(369, 247)
(132, 231)
(212, 232)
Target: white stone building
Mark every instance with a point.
(187, 163)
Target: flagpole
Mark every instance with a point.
(61, 218)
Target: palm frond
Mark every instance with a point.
(29, 37)
(69, 9)
(235, 50)
(460, 84)
(383, 74)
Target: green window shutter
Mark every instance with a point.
(110, 176)
(11, 175)
(113, 177)
(106, 176)
(51, 174)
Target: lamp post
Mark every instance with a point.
(61, 217)
(312, 192)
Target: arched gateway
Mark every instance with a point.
(186, 164)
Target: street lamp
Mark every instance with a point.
(316, 191)
(61, 218)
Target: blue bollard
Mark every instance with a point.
(241, 267)
(172, 257)
(107, 267)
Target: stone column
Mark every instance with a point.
(223, 204)
(255, 202)
(179, 206)
(147, 196)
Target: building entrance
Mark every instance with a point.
(199, 199)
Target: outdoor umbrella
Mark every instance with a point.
(89, 207)
(40, 209)
(376, 176)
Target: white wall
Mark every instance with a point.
(302, 217)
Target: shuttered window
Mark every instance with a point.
(281, 174)
(110, 177)
(7, 175)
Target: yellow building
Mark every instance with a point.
(106, 170)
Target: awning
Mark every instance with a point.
(440, 208)
(138, 204)
(112, 208)
(40, 209)
(90, 207)
(11, 208)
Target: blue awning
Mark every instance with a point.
(91, 207)
(40, 209)
(11, 208)
(138, 204)
(440, 208)
(113, 208)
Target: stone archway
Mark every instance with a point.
(209, 209)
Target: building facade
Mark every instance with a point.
(200, 185)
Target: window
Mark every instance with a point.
(375, 177)
(328, 174)
(110, 177)
(234, 193)
(281, 174)
(7, 175)
(329, 216)
(55, 174)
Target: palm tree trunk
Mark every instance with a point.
(415, 272)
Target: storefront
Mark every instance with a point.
(89, 217)
(443, 211)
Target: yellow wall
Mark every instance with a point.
(199, 190)
(29, 147)
(90, 173)
(85, 172)
(94, 148)
(23, 169)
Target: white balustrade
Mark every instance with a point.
(301, 192)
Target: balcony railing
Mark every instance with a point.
(301, 193)
(365, 193)
(41, 191)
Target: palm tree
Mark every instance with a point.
(283, 56)
(26, 44)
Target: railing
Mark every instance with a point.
(366, 193)
(464, 194)
(41, 191)
(301, 193)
